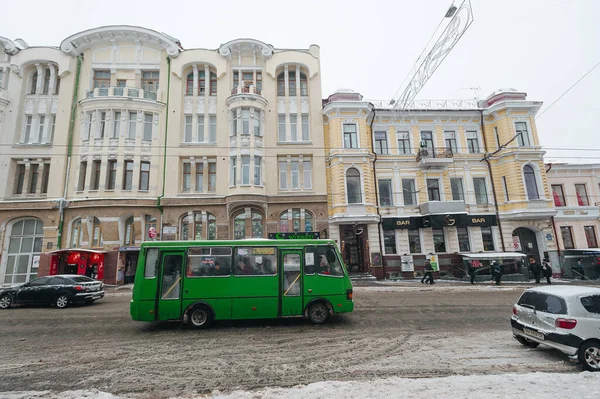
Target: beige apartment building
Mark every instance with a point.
(121, 136)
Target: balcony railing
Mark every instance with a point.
(128, 92)
(246, 90)
(425, 153)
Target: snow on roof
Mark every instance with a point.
(567, 290)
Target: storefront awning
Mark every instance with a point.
(66, 250)
(493, 255)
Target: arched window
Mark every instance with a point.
(292, 86)
(353, 186)
(531, 183)
(34, 80)
(96, 233)
(189, 86)
(192, 227)
(129, 232)
(46, 80)
(257, 225)
(239, 226)
(212, 226)
(202, 83)
(244, 226)
(303, 85)
(296, 223)
(308, 221)
(281, 85)
(76, 234)
(24, 247)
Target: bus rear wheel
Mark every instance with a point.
(318, 313)
(200, 317)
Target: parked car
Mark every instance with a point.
(59, 290)
(566, 318)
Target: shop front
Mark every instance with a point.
(513, 264)
(86, 262)
(591, 263)
(127, 264)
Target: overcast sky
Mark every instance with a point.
(541, 47)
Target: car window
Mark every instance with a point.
(82, 279)
(543, 302)
(591, 303)
(39, 281)
(58, 281)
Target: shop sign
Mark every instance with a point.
(434, 262)
(516, 243)
(309, 235)
(407, 264)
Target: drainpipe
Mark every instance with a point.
(158, 199)
(553, 222)
(62, 201)
(487, 160)
(379, 223)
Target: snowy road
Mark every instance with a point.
(397, 330)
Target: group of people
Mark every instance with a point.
(539, 271)
(496, 270)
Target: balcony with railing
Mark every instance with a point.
(435, 158)
(245, 93)
(124, 92)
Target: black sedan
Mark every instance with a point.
(60, 290)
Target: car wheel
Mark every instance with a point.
(527, 342)
(200, 317)
(589, 356)
(318, 313)
(62, 301)
(6, 301)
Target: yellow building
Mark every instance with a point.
(415, 184)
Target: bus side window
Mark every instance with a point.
(151, 262)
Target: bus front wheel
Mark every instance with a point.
(200, 317)
(318, 313)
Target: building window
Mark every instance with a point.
(187, 130)
(389, 242)
(101, 131)
(87, 131)
(531, 183)
(132, 125)
(558, 195)
(245, 121)
(34, 80)
(96, 169)
(257, 171)
(450, 141)
(292, 84)
(567, 237)
(307, 171)
(295, 175)
(506, 196)
(187, 177)
(212, 176)
(385, 192)
(281, 85)
(427, 139)
(283, 175)
(381, 146)
(522, 134)
(488, 238)
(472, 142)
(199, 177)
(212, 225)
(233, 181)
(590, 236)
(46, 81)
(252, 227)
(408, 192)
(189, 84)
(353, 187)
(45, 178)
(33, 177)
(28, 123)
(111, 175)
(281, 123)
(294, 223)
(350, 137)
(414, 241)
(40, 136)
(82, 173)
(148, 126)
(144, 176)
(456, 184)
(259, 80)
(212, 119)
(403, 142)
(245, 170)
(433, 189)
(481, 197)
(202, 83)
(439, 241)
(76, 234)
(150, 81)
(129, 232)
(294, 127)
(149, 222)
(581, 193)
(308, 221)
(101, 79)
(463, 239)
(96, 233)
(128, 175)
(303, 85)
(117, 125)
(305, 128)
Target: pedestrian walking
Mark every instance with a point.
(496, 272)
(547, 270)
(471, 271)
(535, 269)
(427, 273)
(580, 268)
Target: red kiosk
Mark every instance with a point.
(86, 262)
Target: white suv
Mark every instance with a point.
(563, 317)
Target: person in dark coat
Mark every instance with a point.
(427, 273)
(580, 268)
(496, 272)
(535, 269)
(547, 270)
(471, 271)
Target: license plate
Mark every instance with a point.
(536, 334)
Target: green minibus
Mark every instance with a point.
(199, 282)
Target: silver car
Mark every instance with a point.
(563, 317)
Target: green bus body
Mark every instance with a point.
(239, 279)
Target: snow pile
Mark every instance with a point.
(436, 287)
(532, 386)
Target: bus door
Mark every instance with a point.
(169, 292)
(291, 282)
